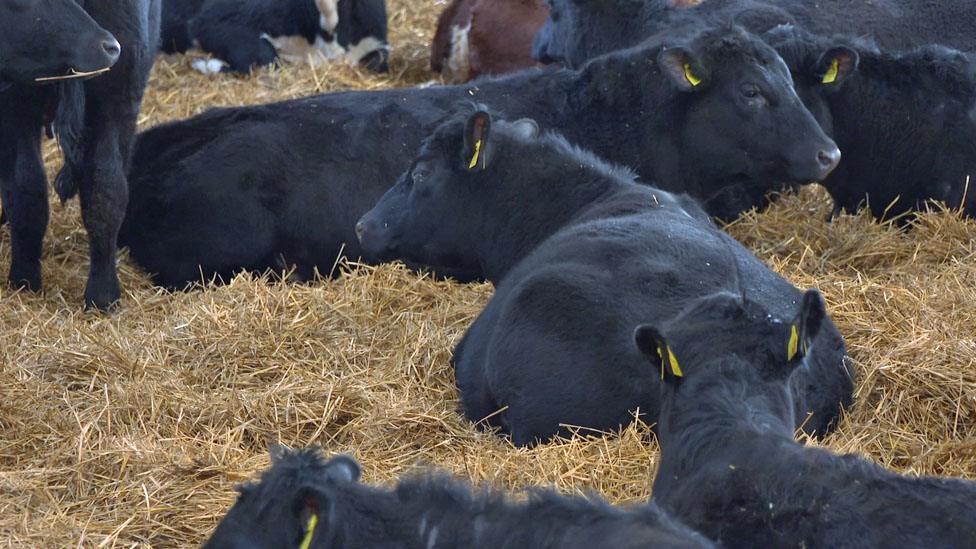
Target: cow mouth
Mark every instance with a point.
(72, 74)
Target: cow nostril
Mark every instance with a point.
(360, 230)
(829, 158)
(112, 48)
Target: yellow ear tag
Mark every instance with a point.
(675, 369)
(660, 355)
(477, 153)
(794, 344)
(690, 76)
(313, 521)
(832, 72)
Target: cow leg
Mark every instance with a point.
(23, 190)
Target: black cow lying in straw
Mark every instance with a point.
(578, 30)
(905, 121)
(242, 34)
(305, 502)
(729, 463)
(41, 71)
(282, 185)
(579, 253)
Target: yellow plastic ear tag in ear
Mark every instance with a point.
(477, 153)
(660, 355)
(675, 369)
(690, 76)
(794, 344)
(832, 72)
(313, 521)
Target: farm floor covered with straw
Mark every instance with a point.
(132, 429)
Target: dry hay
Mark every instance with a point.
(132, 429)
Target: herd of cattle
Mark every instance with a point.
(584, 192)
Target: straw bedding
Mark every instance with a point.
(132, 429)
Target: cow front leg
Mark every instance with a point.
(23, 190)
(104, 192)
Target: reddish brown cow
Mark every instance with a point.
(476, 37)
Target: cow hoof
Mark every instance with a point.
(26, 279)
(102, 297)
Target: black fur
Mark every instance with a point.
(580, 254)
(175, 28)
(905, 122)
(430, 512)
(284, 184)
(731, 467)
(95, 121)
(578, 30)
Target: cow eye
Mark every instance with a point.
(750, 92)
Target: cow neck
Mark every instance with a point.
(706, 419)
(573, 193)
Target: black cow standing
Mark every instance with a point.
(282, 185)
(95, 121)
(242, 34)
(579, 253)
(578, 30)
(906, 121)
(305, 501)
(729, 463)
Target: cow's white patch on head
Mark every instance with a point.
(363, 48)
(458, 66)
(208, 66)
(328, 14)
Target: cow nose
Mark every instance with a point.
(112, 49)
(828, 160)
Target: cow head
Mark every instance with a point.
(736, 116)
(431, 216)
(360, 28)
(51, 38)
(293, 505)
(726, 344)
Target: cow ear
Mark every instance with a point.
(682, 68)
(476, 133)
(526, 128)
(805, 326)
(314, 513)
(836, 64)
(655, 348)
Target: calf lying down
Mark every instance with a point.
(305, 501)
(730, 466)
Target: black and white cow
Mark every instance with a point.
(906, 121)
(577, 30)
(579, 253)
(47, 48)
(282, 185)
(730, 466)
(241, 34)
(305, 501)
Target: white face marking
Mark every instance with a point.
(363, 48)
(208, 66)
(328, 14)
(458, 65)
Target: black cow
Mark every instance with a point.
(242, 34)
(305, 501)
(579, 253)
(283, 184)
(729, 463)
(905, 121)
(46, 48)
(578, 30)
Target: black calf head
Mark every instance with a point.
(51, 38)
(291, 506)
(360, 27)
(820, 67)
(428, 217)
(738, 115)
(729, 332)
